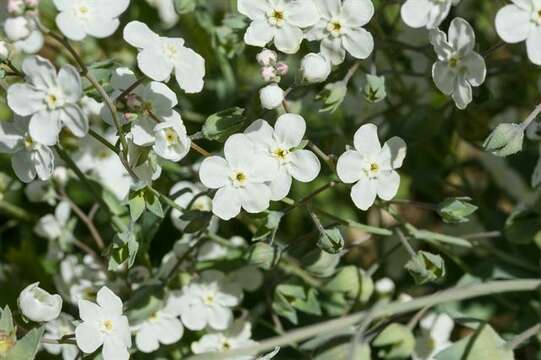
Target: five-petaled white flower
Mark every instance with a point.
(426, 13)
(238, 335)
(280, 144)
(98, 18)
(340, 29)
(371, 166)
(162, 327)
(278, 20)
(22, 32)
(104, 325)
(188, 194)
(172, 141)
(38, 305)
(458, 67)
(435, 336)
(50, 99)
(240, 178)
(28, 157)
(160, 56)
(208, 301)
(521, 21)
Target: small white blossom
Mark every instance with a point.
(236, 337)
(172, 141)
(166, 11)
(208, 302)
(103, 324)
(97, 18)
(57, 329)
(521, 21)
(163, 327)
(188, 192)
(340, 29)
(28, 157)
(22, 32)
(54, 226)
(458, 67)
(281, 21)
(279, 143)
(50, 99)
(435, 336)
(4, 50)
(426, 13)
(159, 56)
(315, 68)
(371, 167)
(271, 96)
(239, 177)
(384, 286)
(38, 305)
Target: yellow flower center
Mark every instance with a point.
(374, 167)
(239, 178)
(171, 136)
(280, 153)
(335, 27)
(454, 62)
(28, 143)
(277, 17)
(108, 325)
(209, 299)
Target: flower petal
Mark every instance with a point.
(88, 337)
(24, 99)
(190, 71)
(70, 26)
(357, 12)
(73, 117)
(358, 42)
(331, 47)
(109, 302)
(259, 33)
(220, 317)
(302, 13)
(226, 205)
(254, 9)
(366, 140)
(462, 93)
(415, 13)
(476, 69)
(304, 165)
(533, 46)
(350, 166)
(43, 159)
(388, 183)
(261, 134)
(363, 193)
(290, 129)
(154, 65)
(254, 197)
(237, 150)
(114, 349)
(513, 24)
(23, 166)
(329, 8)
(89, 311)
(44, 127)
(139, 35)
(288, 39)
(444, 77)
(146, 339)
(40, 72)
(70, 82)
(280, 185)
(214, 172)
(438, 39)
(461, 36)
(393, 153)
(169, 331)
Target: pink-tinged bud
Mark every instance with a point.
(32, 3)
(281, 68)
(267, 57)
(268, 73)
(15, 7)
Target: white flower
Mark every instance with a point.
(384, 286)
(50, 99)
(435, 336)
(280, 145)
(4, 50)
(426, 13)
(22, 32)
(237, 336)
(521, 21)
(239, 177)
(160, 56)
(55, 330)
(281, 21)
(371, 166)
(53, 226)
(458, 67)
(340, 29)
(104, 324)
(207, 302)
(188, 192)
(172, 141)
(28, 157)
(315, 68)
(166, 11)
(163, 327)
(38, 305)
(267, 57)
(98, 18)
(271, 96)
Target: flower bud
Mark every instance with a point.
(38, 305)
(268, 73)
(374, 90)
(4, 50)
(32, 3)
(60, 175)
(16, 28)
(282, 68)
(267, 57)
(396, 341)
(263, 255)
(353, 282)
(271, 96)
(384, 286)
(15, 7)
(505, 140)
(315, 68)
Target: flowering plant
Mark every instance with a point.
(270, 179)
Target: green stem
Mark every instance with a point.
(16, 212)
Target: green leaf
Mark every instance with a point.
(396, 341)
(223, 124)
(332, 95)
(124, 248)
(353, 282)
(522, 226)
(184, 6)
(264, 255)
(136, 204)
(483, 344)
(321, 263)
(426, 267)
(456, 210)
(152, 203)
(432, 236)
(331, 241)
(27, 347)
(343, 351)
(505, 140)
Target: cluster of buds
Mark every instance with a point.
(19, 7)
(271, 69)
